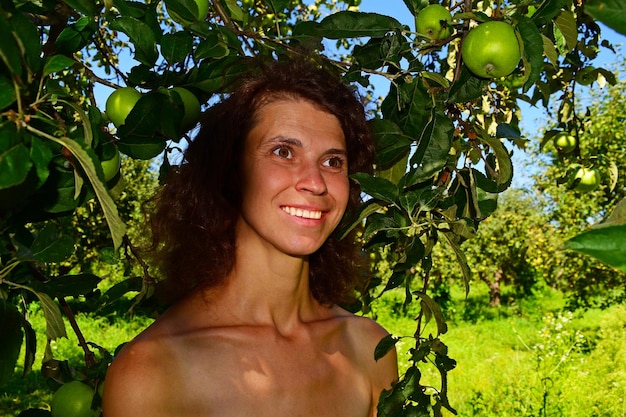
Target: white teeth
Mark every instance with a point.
(307, 214)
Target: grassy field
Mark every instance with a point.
(529, 358)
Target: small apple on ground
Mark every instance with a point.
(491, 49)
(589, 180)
(564, 142)
(73, 399)
(202, 8)
(120, 103)
(434, 21)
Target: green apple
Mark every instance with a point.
(73, 399)
(111, 166)
(120, 103)
(191, 107)
(491, 49)
(589, 180)
(564, 142)
(434, 22)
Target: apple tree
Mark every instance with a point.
(589, 220)
(445, 129)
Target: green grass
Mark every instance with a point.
(32, 390)
(528, 358)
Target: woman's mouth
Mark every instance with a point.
(305, 214)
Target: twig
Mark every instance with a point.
(90, 358)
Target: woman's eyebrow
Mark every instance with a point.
(298, 144)
(286, 140)
(336, 151)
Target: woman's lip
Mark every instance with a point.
(302, 213)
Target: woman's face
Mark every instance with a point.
(295, 177)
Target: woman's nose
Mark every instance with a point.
(311, 179)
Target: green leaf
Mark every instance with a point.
(30, 346)
(218, 76)
(418, 199)
(547, 11)
(211, 47)
(364, 212)
(396, 172)
(392, 145)
(278, 5)
(176, 46)
(379, 222)
(69, 285)
(617, 216)
(12, 337)
(409, 106)
(414, 251)
(436, 77)
(433, 147)
(87, 162)
(376, 187)
(550, 51)
(505, 130)
(56, 63)
(7, 93)
(9, 51)
(120, 289)
(235, 11)
(461, 258)
(55, 327)
(433, 309)
(385, 345)
(607, 244)
(49, 247)
(75, 36)
(152, 113)
(87, 7)
(533, 50)
(610, 12)
(183, 10)
(27, 37)
(142, 37)
(141, 148)
(308, 34)
(347, 24)
(566, 22)
(504, 171)
(15, 162)
(466, 88)
(60, 197)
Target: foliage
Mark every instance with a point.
(444, 136)
(601, 146)
(501, 253)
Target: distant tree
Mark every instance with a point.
(600, 129)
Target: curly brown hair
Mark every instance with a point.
(194, 214)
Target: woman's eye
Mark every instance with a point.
(334, 162)
(283, 152)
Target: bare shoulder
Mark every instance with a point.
(365, 335)
(363, 329)
(135, 380)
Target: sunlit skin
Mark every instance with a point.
(261, 345)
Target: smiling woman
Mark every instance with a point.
(243, 232)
